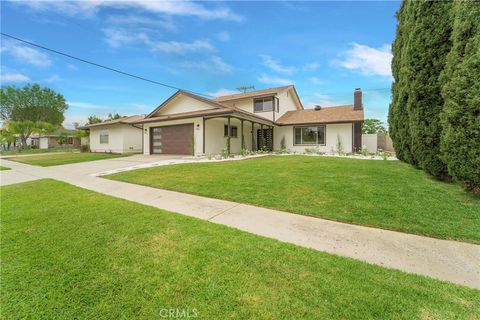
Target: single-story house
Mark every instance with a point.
(270, 119)
(52, 140)
(116, 136)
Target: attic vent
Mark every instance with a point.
(318, 107)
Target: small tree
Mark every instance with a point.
(373, 126)
(283, 144)
(114, 116)
(339, 145)
(62, 139)
(94, 119)
(32, 103)
(7, 138)
(23, 129)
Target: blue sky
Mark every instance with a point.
(326, 49)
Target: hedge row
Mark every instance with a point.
(434, 117)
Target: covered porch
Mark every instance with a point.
(234, 133)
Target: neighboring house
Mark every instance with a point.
(189, 124)
(51, 140)
(116, 136)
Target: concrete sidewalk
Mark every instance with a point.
(446, 260)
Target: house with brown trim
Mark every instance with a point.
(269, 119)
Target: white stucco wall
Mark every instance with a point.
(342, 131)
(122, 138)
(132, 139)
(285, 100)
(43, 143)
(216, 141)
(370, 141)
(182, 104)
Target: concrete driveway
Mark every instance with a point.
(442, 259)
(21, 172)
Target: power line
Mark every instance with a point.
(101, 65)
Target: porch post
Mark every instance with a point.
(273, 144)
(242, 146)
(261, 136)
(228, 135)
(253, 140)
(203, 126)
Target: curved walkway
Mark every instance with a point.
(442, 259)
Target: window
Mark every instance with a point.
(309, 135)
(233, 131)
(263, 104)
(70, 140)
(104, 136)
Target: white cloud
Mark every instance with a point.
(315, 80)
(274, 65)
(52, 78)
(119, 37)
(368, 60)
(223, 36)
(25, 54)
(311, 66)
(139, 20)
(87, 105)
(215, 64)
(274, 80)
(70, 120)
(222, 92)
(324, 100)
(179, 47)
(173, 8)
(72, 67)
(14, 77)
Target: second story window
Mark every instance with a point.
(263, 104)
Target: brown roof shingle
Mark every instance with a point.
(325, 115)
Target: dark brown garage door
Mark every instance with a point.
(172, 139)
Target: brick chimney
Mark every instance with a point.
(357, 99)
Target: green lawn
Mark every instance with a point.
(33, 151)
(64, 158)
(4, 168)
(87, 255)
(385, 194)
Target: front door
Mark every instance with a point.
(265, 139)
(177, 139)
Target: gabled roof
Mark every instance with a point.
(258, 94)
(325, 115)
(188, 94)
(124, 120)
(252, 94)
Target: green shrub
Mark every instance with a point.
(460, 140)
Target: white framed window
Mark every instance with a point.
(233, 131)
(104, 136)
(263, 104)
(309, 135)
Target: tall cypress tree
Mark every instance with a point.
(460, 140)
(397, 115)
(429, 44)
